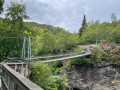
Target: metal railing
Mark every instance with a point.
(12, 80)
(44, 58)
(21, 68)
(52, 57)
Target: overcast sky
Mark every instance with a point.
(68, 14)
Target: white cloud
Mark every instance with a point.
(68, 14)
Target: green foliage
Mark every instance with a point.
(56, 67)
(113, 46)
(16, 12)
(114, 56)
(77, 50)
(98, 54)
(41, 74)
(84, 25)
(47, 43)
(12, 28)
(101, 31)
(106, 55)
(62, 82)
(80, 62)
(1, 6)
(52, 40)
(46, 39)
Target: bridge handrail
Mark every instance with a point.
(66, 58)
(50, 56)
(12, 80)
(58, 56)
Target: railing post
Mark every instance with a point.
(25, 71)
(8, 82)
(22, 68)
(15, 67)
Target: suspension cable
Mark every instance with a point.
(13, 37)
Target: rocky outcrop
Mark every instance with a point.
(102, 76)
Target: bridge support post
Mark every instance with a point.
(25, 71)
(96, 42)
(15, 67)
(21, 69)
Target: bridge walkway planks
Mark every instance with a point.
(66, 58)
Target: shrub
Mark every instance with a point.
(76, 50)
(41, 74)
(111, 54)
(114, 57)
(56, 66)
(99, 55)
(80, 62)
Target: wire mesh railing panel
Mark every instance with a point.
(8, 82)
(12, 80)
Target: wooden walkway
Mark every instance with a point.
(54, 57)
(67, 58)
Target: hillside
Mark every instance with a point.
(51, 40)
(35, 24)
(53, 30)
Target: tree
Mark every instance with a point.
(48, 43)
(13, 26)
(113, 17)
(16, 12)
(15, 15)
(1, 6)
(62, 41)
(84, 25)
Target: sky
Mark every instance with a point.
(68, 14)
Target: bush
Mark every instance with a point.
(80, 62)
(114, 57)
(56, 66)
(76, 50)
(41, 74)
(111, 54)
(99, 55)
(62, 82)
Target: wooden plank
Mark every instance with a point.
(66, 58)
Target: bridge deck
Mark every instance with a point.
(66, 58)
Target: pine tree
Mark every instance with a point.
(113, 17)
(84, 25)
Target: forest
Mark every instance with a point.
(106, 31)
(46, 39)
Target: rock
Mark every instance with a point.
(102, 76)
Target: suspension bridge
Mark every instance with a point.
(14, 75)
